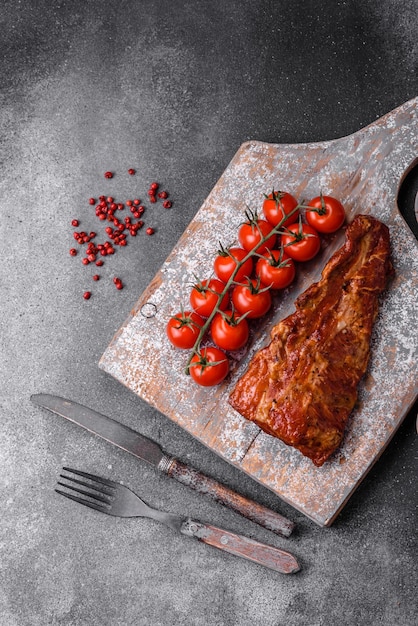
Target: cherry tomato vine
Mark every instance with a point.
(276, 243)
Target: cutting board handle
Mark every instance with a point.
(406, 197)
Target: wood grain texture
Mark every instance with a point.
(268, 556)
(364, 170)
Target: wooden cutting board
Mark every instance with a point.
(364, 170)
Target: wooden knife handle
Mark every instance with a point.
(210, 487)
(260, 553)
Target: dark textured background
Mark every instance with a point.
(171, 89)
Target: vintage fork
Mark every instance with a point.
(115, 499)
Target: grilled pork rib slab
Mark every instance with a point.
(303, 386)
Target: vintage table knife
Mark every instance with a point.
(148, 450)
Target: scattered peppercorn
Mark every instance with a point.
(105, 208)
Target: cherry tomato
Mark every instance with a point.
(329, 214)
(276, 269)
(205, 296)
(252, 232)
(252, 299)
(183, 329)
(302, 242)
(209, 367)
(228, 331)
(227, 260)
(278, 204)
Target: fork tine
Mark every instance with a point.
(99, 479)
(91, 505)
(98, 488)
(108, 491)
(89, 494)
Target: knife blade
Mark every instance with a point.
(150, 451)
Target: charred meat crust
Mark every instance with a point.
(303, 386)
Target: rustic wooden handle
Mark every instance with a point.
(249, 509)
(260, 553)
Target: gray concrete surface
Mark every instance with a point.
(171, 89)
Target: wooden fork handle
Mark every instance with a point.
(260, 553)
(248, 508)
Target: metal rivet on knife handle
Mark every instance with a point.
(248, 508)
